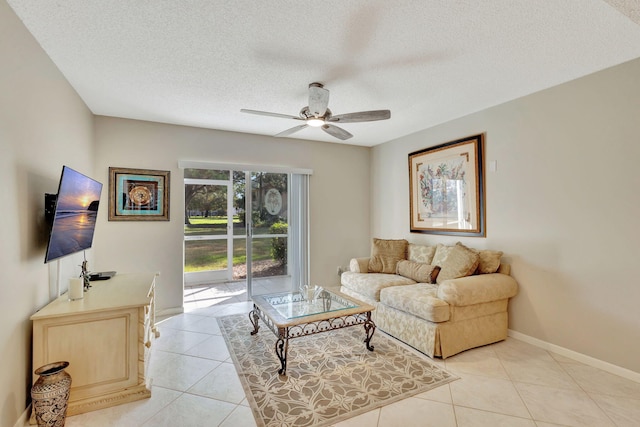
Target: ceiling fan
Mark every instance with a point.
(317, 114)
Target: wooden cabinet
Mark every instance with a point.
(106, 337)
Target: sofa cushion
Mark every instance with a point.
(420, 253)
(489, 261)
(418, 271)
(385, 254)
(440, 254)
(419, 300)
(370, 284)
(478, 289)
(459, 262)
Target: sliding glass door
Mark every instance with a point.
(237, 229)
(267, 232)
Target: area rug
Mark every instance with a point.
(330, 376)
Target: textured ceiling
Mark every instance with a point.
(198, 62)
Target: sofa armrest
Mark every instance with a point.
(359, 265)
(477, 289)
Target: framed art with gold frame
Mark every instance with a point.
(138, 194)
(446, 188)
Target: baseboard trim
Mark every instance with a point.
(579, 357)
(24, 418)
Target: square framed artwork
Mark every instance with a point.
(138, 194)
(446, 188)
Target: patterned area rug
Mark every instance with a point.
(330, 376)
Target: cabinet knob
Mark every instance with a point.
(147, 344)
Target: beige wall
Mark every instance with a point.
(338, 195)
(563, 206)
(43, 125)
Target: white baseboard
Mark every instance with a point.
(587, 360)
(24, 418)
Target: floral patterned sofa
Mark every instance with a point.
(439, 299)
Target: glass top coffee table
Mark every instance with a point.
(292, 314)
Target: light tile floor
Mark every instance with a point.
(510, 383)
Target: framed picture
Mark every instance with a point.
(138, 195)
(446, 188)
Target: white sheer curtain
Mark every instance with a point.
(299, 230)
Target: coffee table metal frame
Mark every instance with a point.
(287, 328)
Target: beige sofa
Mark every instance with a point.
(439, 299)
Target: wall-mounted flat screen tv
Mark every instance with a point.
(74, 215)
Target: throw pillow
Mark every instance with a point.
(420, 272)
(460, 262)
(489, 261)
(421, 253)
(385, 255)
(440, 254)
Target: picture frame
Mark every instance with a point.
(446, 188)
(138, 194)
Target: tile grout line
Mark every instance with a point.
(513, 383)
(595, 402)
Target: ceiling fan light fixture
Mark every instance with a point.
(315, 122)
(317, 114)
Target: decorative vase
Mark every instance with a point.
(50, 394)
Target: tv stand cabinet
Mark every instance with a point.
(106, 338)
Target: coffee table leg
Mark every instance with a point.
(282, 347)
(369, 329)
(253, 318)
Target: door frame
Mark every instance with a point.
(200, 277)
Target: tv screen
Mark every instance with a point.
(74, 216)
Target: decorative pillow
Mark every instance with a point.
(420, 272)
(460, 262)
(489, 261)
(421, 253)
(359, 265)
(440, 254)
(385, 255)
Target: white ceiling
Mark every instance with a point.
(198, 62)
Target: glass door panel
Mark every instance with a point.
(239, 258)
(239, 227)
(269, 230)
(239, 210)
(206, 231)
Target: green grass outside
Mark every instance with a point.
(217, 225)
(200, 220)
(202, 255)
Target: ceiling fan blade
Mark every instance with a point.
(266, 113)
(336, 132)
(318, 99)
(362, 116)
(292, 130)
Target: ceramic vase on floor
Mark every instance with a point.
(50, 394)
